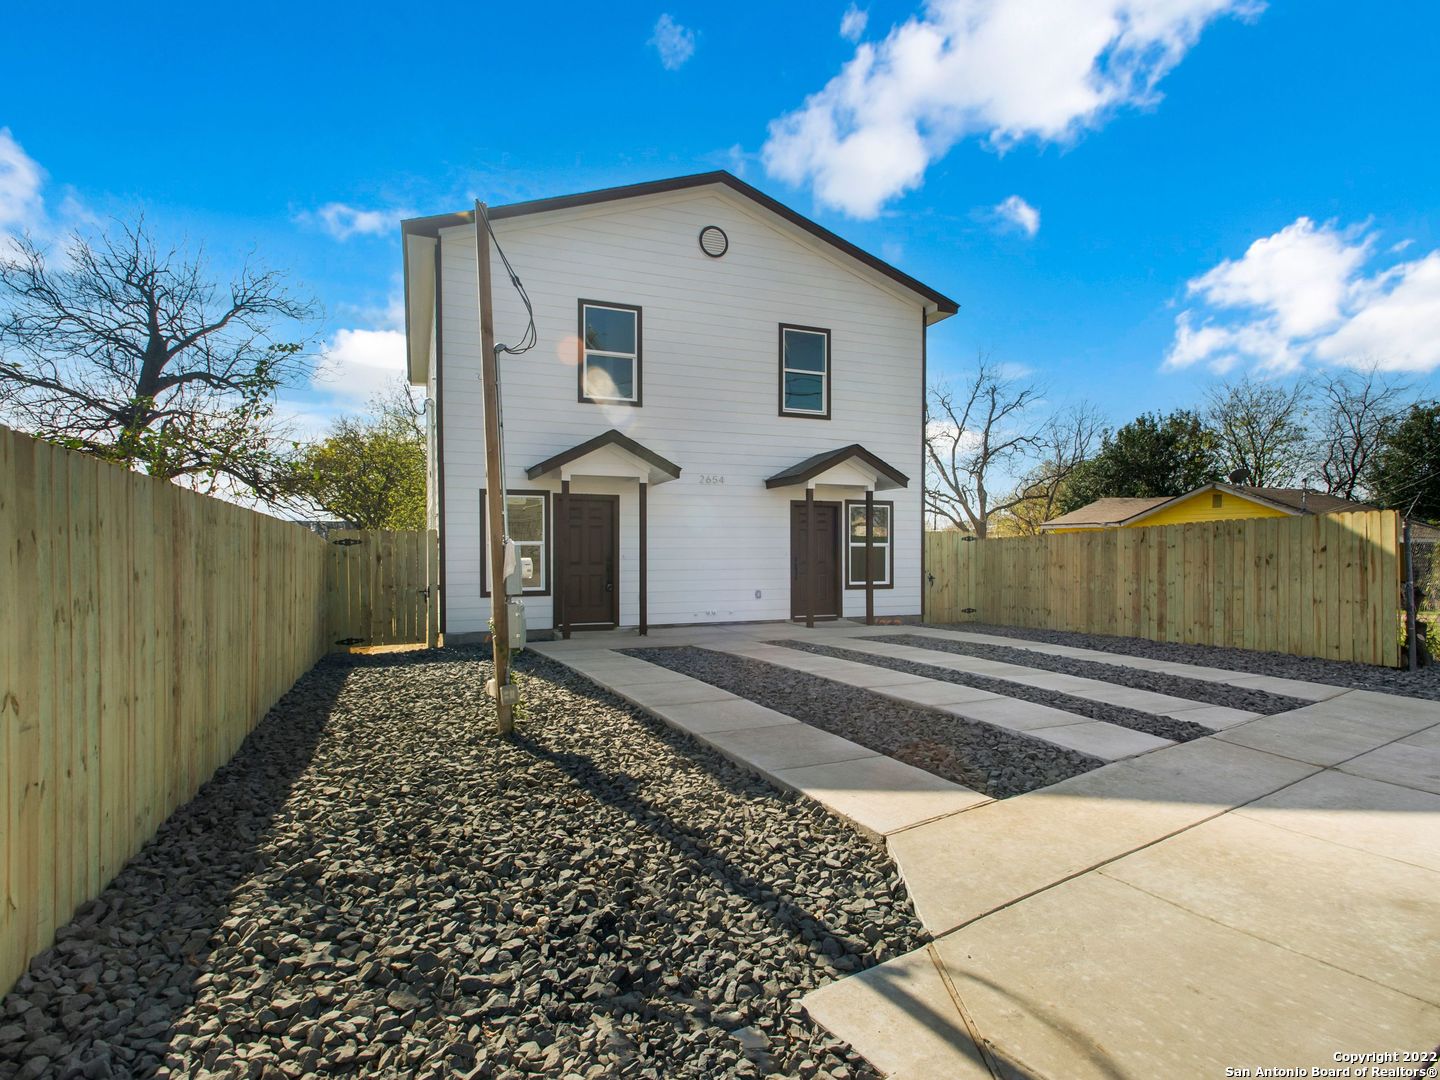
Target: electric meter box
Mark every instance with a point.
(516, 610)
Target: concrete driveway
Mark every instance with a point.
(1267, 896)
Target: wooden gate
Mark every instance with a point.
(382, 588)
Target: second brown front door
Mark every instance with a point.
(827, 560)
(589, 557)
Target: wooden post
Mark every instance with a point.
(494, 477)
(560, 536)
(809, 558)
(869, 553)
(644, 560)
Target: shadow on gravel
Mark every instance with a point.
(104, 1000)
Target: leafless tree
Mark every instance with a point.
(1356, 411)
(1064, 443)
(974, 431)
(1260, 429)
(129, 352)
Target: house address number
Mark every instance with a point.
(711, 478)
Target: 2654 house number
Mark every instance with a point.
(711, 478)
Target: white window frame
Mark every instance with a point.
(543, 544)
(586, 352)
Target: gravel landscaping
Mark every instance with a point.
(376, 885)
(1231, 697)
(1166, 727)
(1424, 683)
(985, 758)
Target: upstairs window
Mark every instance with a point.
(609, 353)
(805, 372)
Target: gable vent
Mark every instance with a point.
(713, 241)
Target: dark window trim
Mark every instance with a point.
(549, 555)
(829, 368)
(580, 306)
(850, 584)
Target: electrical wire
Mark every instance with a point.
(529, 338)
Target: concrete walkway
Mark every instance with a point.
(1268, 896)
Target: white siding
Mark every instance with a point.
(710, 392)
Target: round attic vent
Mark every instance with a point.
(713, 241)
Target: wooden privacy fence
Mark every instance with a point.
(1324, 585)
(144, 630)
(381, 587)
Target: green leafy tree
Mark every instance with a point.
(1153, 455)
(1405, 472)
(133, 354)
(370, 470)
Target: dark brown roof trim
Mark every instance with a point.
(812, 467)
(431, 226)
(599, 442)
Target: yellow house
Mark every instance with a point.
(1213, 502)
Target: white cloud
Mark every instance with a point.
(358, 364)
(343, 221)
(21, 180)
(674, 43)
(1015, 212)
(1004, 69)
(853, 23)
(1312, 294)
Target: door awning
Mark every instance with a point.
(852, 466)
(608, 454)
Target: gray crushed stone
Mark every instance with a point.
(377, 886)
(1424, 683)
(1165, 727)
(985, 758)
(1159, 682)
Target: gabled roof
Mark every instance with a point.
(1104, 513)
(431, 226)
(804, 471)
(660, 467)
(1109, 513)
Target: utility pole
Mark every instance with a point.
(494, 481)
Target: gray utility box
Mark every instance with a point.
(516, 611)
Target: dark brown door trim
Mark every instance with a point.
(574, 499)
(838, 557)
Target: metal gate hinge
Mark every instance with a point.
(347, 541)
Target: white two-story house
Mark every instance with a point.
(714, 375)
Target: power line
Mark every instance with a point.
(528, 339)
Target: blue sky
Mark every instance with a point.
(1129, 198)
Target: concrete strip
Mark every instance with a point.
(1397, 822)
(901, 1018)
(1109, 742)
(1360, 912)
(785, 746)
(1143, 700)
(1096, 979)
(1295, 688)
(647, 695)
(960, 868)
(880, 794)
(1015, 714)
(1330, 732)
(1214, 717)
(936, 692)
(702, 717)
(1402, 763)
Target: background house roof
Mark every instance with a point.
(1103, 512)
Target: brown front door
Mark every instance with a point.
(827, 560)
(590, 542)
